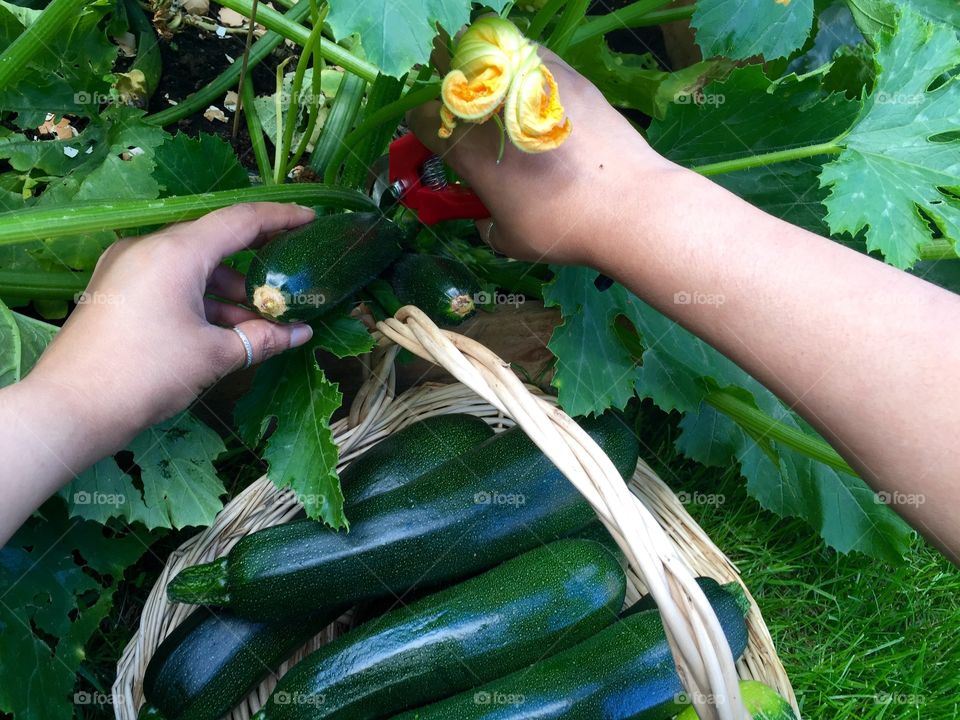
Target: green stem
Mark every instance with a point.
(667, 15)
(55, 285)
(626, 17)
(938, 250)
(562, 34)
(316, 93)
(294, 31)
(75, 219)
(279, 157)
(386, 114)
(771, 158)
(44, 34)
(293, 111)
(543, 18)
(381, 291)
(255, 130)
(760, 423)
(228, 79)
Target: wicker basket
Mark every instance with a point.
(665, 548)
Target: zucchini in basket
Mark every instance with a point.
(624, 672)
(536, 604)
(496, 500)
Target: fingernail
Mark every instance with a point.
(308, 209)
(299, 334)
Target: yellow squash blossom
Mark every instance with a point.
(495, 66)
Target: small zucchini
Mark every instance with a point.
(624, 672)
(536, 604)
(307, 271)
(763, 703)
(493, 502)
(443, 289)
(213, 659)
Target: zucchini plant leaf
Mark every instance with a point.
(595, 369)
(58, 577)
(187, 166)
(398, 35)
(874, 16)
(342, 335)
(719, 124)
(292, 392)
(899, 172)
(742, 29)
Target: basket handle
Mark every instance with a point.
(700, 649)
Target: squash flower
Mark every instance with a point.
(494, 66)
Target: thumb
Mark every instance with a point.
(266, 340)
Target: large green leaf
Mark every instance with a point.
(186, 166)
(58, 576)
(721, 124)
(900, 169)
(398, 35)
(293, 392)
(748, 114)
(874, 16)
(595, 369)
(742, 29)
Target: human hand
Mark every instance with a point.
(552, 206)
(144, 341)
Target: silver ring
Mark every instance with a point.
(247, 346)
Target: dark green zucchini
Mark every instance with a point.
(206, 665)
(410, 452)
(534, 605)
(711, 589)
(213, 659)
(444, 290)
(494, 501)
(305, 272)
(624, 672)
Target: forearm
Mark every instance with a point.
(50, 436)
(864, 352)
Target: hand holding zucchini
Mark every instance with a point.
(307, 271)
(494, 501)
(511, 616)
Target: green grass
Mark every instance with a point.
(860, 639)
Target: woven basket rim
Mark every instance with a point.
(375, 413)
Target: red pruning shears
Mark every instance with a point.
(413, 176)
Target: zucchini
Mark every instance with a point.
(539, 603)
(213, 659)
(712, 590)
(400, 457)
(494, 501)
(307, 271)
(764, 703)
(624, 672)
(444, 290)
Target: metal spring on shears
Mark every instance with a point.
(432, 174)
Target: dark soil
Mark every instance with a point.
(194, 57)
